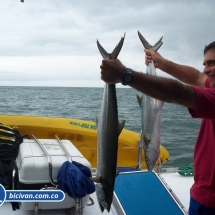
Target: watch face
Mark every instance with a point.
(127, 78)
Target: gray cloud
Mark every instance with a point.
(70, 28)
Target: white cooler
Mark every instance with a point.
(35, 159)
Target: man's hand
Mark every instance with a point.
(112, 71)
(155, 56)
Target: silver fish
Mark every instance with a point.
(108, 128)
(151, 115)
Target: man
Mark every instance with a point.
(200, 101)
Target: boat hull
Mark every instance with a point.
(82, 134)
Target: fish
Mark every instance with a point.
(150, 115)
(108, 129)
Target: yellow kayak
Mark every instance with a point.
(82, 134)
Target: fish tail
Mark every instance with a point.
(139, 99)
(121, 126)
(147, 45)
(114, 53)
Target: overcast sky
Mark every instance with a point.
(53, 42)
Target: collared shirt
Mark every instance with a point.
(203, 189)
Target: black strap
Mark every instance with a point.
(3, 127)
(10, 133)
(10, 140)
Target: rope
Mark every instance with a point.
(186, 170)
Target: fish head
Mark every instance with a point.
(102, 199)
(151, 158)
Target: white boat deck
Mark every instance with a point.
(180, 185)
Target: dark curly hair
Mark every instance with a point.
(209, 47)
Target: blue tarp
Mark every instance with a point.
(73, 178)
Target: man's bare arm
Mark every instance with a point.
(186, 74)
(164, 89)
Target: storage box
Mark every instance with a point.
(34, 168)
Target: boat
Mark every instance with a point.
(178, 185)
(83, 135)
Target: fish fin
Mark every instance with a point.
(157, 45)
(148, 46)
(118, 48)
(120, 126)
(96, 179)
(146, 140)
(103, 52)
(144, 41)
(117, 173)
(139, 99)
(161, 104)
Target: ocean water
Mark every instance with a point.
(178, 129)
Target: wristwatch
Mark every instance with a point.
(127, 77)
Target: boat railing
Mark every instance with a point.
(49, 160)
(78, 202)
